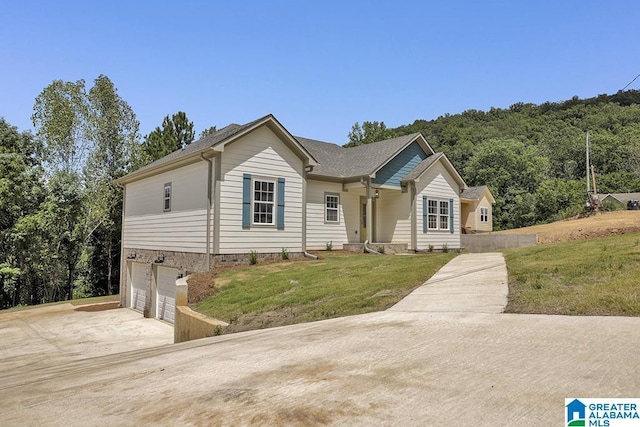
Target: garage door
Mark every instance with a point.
(166, 280)
(138, 286)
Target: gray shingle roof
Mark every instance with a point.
(208, 141)
(340, 162)
(473, 193)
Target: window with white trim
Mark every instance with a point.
(444, 215)
(438, 214)
(484, 214)
(263, 202)
(433, 214)
(332, 208)
(167, 197)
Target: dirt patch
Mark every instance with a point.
(597, 225)
(99, 307)
(269, 319)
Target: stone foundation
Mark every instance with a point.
(389, 248)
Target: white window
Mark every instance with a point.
(331, 208)
(167, 197)
(433, 214)
(484, 214)
(438, 214)
(263, 202)
(444, 215)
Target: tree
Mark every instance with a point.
(90, 140)
(21, 192)
(368, 133)
(175, 133)
(513, 172)
(114, 128)
(208, 131)
(60, 117)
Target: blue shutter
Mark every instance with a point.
(425, 216)
(246, 200)
(280, 214)
(451, 215)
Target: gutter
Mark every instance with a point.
(208, 227)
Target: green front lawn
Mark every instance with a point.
(338, 285)
(586, 277)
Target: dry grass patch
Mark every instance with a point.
(589, 277)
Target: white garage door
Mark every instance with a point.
(138, 286)
(166, 307)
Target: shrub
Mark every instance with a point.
(430, 248)
(445, 248)
(381, 249)
(285, 253)
(253, 257)
(329, 246)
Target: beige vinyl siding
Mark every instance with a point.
(437, 183)
(320, 232)
(393, 217)
(484, 226)
(183, 228)
(263, 155)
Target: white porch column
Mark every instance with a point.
(369, 212)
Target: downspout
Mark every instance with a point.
(414, 216)
(208, 227)
(304, 216)
(368, 249)
(123, 261)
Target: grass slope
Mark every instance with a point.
(598, 276)
(339, 285)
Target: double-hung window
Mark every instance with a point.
(263, 202)
(167, 198)
(433, 214)
(444, 215)
(331, 208)
(484, 214)
(438, 214)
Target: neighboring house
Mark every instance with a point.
(255, 187)
(619, 199)
(477, 209)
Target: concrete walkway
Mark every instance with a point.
(470, 283)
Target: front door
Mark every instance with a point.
(363, 219)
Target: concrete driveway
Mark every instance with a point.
(388, 368)
(41, 336)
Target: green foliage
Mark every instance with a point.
(207, 131)
(175, 133)
(445, 248)
(515, 150)
(253, 257)
(380, 250)
(284, 253)
(369, 132)
(329, 246)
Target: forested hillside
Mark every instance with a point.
(60, 210)
(533, 156)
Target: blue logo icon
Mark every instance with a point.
(576, 413)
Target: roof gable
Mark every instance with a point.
(476, 193)
(363, 160)
(216, 141)
(428, 163)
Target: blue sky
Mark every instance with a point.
(318, 66)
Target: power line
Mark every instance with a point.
(629, 84)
